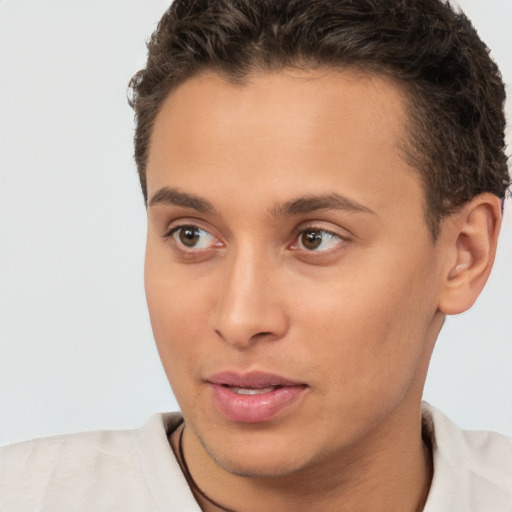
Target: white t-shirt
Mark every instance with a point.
(137, 471)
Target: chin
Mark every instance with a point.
(259, 467)
(257, 458)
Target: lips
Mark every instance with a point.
(253, 397)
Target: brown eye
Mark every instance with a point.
(193, 237)
(189, 236)
(318, 240)
(311, 239)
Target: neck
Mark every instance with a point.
(385, 471)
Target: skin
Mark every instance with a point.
(354, 319)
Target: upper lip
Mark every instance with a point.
(254, 379)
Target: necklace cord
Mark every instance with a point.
(190, 480)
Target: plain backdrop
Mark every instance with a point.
(76, 348)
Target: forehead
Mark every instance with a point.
(283, 134)
(291, 102)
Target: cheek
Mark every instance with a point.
(178, 311)
(365, 332)
(175, 331)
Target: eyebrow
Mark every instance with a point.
(173, 196)
(311, 203)
(300, 205)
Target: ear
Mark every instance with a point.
(470, 237)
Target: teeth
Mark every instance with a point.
(251, 391)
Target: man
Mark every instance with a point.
(324, 183)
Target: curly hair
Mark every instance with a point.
(454, 91)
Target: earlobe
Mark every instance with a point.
(472, 237)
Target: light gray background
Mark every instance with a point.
(76, 349)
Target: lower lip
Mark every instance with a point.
(255, 408)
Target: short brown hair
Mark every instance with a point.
(454, 89)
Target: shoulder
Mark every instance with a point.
(472, 469)
(85, 446)
(97, 470)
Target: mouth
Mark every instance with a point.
(252, 391)
(254, 397)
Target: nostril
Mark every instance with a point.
(245, 339)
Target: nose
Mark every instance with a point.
(250, 303)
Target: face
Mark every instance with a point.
(291, 278)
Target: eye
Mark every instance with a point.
(317, 240)
(192, 237)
